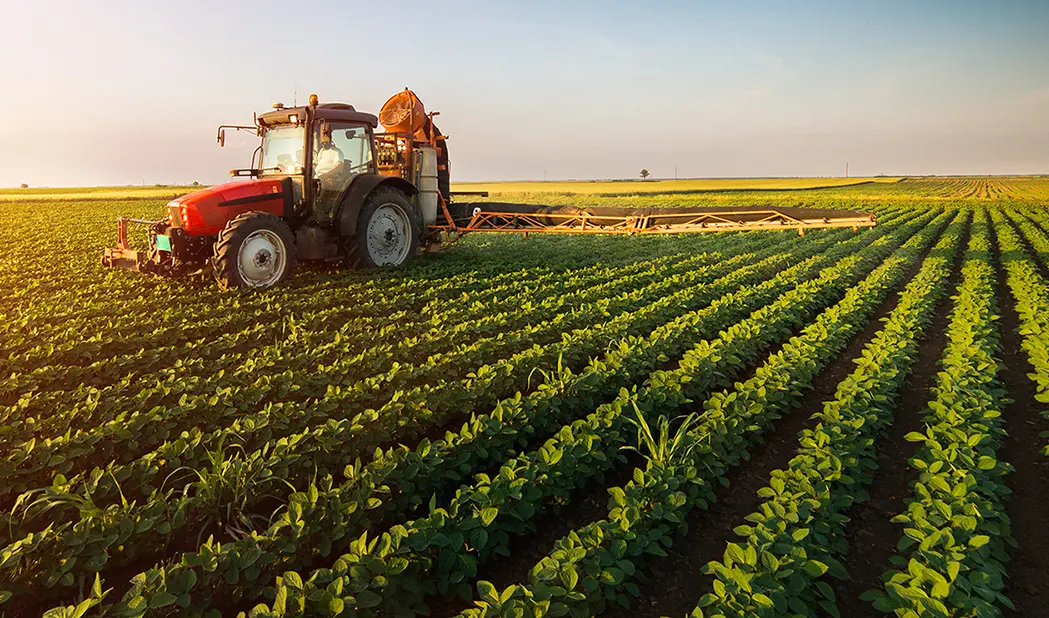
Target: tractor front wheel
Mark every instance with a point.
(255, 250)
(389, 230)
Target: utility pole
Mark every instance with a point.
(846, 169)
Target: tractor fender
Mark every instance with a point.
(358, 191)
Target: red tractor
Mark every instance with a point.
(323, 183)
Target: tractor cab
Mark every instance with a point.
(321, 148)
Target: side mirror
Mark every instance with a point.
(222, 138)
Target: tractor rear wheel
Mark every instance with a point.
(389, 230)
(255, 250)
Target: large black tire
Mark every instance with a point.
(389, 230)
(255, 250)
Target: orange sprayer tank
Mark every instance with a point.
(404, 113)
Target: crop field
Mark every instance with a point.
(737, 424)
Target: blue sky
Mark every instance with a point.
(131, 92)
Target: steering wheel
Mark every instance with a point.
(357, 169)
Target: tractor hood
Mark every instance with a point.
(206, 212)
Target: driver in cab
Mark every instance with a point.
(329, 158)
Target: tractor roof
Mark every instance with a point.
(339, 112)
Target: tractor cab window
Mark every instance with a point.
(340, 153)
(340, 150)
(282, 150)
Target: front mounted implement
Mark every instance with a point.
(169, 251)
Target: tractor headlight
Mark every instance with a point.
(173, 208)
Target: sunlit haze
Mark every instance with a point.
(131, 92)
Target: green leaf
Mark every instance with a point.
(612, 575)
(488, 515)
(280, 600)
(367, 599)
(507, 594)
(162, 599)
(762, 600)
(986, 463)
(569, 577)
(979, 540)
(488, 593)
(735, 554)
(292, 580)
(815, 568)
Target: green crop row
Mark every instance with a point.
(168, 409)
(396, 571)
(149, 524)
(795, 537)
(421, 295)
(483, 387)
(598, 564)
(1031, 293)
(308, 357)
(316, 327)
(95, 538)
(351, 346)
(256, 430)
(950, 560)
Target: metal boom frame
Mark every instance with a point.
(662, 223)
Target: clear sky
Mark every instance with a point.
(110, 92)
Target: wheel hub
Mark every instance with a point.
(389, 235)
(261, 259)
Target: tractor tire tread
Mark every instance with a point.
(356, 256)
(227, 245)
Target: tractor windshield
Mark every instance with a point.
(282, 150)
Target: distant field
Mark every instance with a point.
(742, 191)
(91, 193)
(630, 187)
(663, 186)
